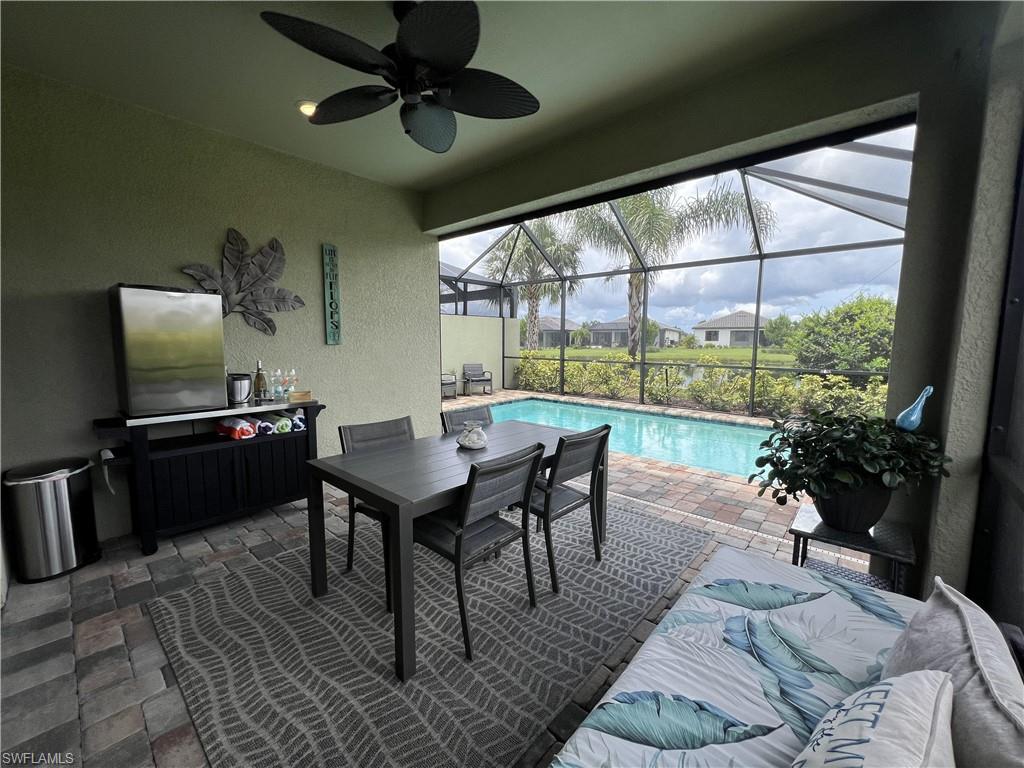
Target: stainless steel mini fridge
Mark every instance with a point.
(169, 349)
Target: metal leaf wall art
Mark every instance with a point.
(246, 280)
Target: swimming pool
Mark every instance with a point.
(721, 447)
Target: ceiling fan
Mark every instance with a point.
(425, 66)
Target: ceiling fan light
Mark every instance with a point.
(306, 107)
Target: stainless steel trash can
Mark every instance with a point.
(49, 518)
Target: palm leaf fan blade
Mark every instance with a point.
(429, 124)
(331, 44)
(352, 103)
(442, 35)
(480, 93)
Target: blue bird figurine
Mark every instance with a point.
(910, 419)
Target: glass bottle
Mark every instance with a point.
(277, 383)
(260, 386)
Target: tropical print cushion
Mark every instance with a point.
(742, 669)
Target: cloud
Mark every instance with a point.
(460, 251)
(794, 285)
(791, 285)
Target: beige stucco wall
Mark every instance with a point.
(468, 339)
(96, 192)
(977, 328)
(512, 337)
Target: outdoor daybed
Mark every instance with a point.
(742, 671)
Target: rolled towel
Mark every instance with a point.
(236, 429)
(281, 423)
(298, 420)
(260, 425)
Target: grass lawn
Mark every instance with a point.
(731, 355)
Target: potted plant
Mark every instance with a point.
(849, 465)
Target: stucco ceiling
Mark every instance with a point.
(218, 65)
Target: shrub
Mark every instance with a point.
(854, 335)
(778, 331)
(615, 380)
(826, 454)
(776, 395)
(874, 395)
(664, 384)
(578, 379)
(828, 393)
(537, 374)
(720, 389)
(785, 394)
(616, 377)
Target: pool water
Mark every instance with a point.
(720, 447)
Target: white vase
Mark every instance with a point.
(473, 436)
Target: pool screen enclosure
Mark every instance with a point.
(686, 290)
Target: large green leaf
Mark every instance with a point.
(797, 708)
(754, 595)
(785, 666)
(669, 721)
(784, 648)
(865, 598)
(682, 618)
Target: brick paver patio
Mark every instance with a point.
(83, 672)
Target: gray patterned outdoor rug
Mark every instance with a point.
(273, 677)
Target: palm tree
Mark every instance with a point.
(581, 336)
(525, 263)
(660, 224)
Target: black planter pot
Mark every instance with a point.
(855, 511)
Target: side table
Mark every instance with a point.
(887, 539)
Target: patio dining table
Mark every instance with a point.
(407, 481)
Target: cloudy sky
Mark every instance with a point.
(792, 285)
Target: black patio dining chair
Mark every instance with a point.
(552, 498)
(360, 437)
(454, 421)
(473, 530)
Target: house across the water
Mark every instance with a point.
(550, 331)
(615, 333)
(733, 330)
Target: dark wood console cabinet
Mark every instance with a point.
(191, 481)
